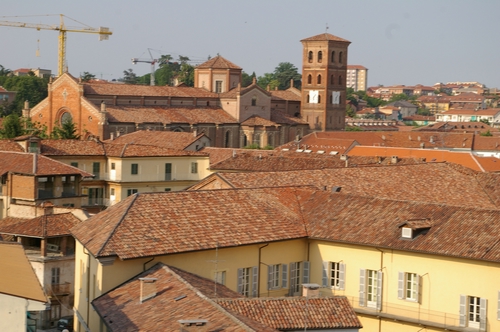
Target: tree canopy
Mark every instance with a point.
(280, 78)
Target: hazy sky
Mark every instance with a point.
(400, 42)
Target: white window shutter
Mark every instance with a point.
(362, 287)
(305, 278)
(255, 275)
(325, 274)
(379, 290)
(284, 275)
(269, 276)
(419, 288)
(342, 276)
(293, 275)
(401, 285)
(463, 311)
(482, 314)
(498, 309)
(239, 286)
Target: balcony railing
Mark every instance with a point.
(92, 201)
(59, 289)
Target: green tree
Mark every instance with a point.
(30, 88)
(86, 76)
(246, 79)
(11, 127)
(423, 111)
(129, 77)
(350, 111)
(485, 121)
(284, 73)
(186, 74)
(268, 80)
(487, 133)
(65, 131)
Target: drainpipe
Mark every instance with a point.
(258, 272)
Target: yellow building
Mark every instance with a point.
(404, 265)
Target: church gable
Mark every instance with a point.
(255, 101)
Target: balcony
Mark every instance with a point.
(59, 289)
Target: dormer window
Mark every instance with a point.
(406, 232)
(411, 228)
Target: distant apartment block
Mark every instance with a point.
(42, 73)
(357, 77)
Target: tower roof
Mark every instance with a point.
(325, 37)
(218, 62)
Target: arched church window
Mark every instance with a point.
(66, 117)
(310, 56)
(309, 79)
(320, 56)
(333, 57)
(319, 79)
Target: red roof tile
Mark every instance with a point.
(164, 139)
(41, 227)
(218, 62)
(325, 37)
(105, 88)
(256, 120)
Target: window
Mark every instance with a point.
(408, 286)
(113, 166)
(332, 79)
(96, 169)
(320, 56)
(134, 169)
(56, 275)
(112, 192)
(319, 79)
(299, 274)
(310, 57)
(168, 189)
(74, 164)
(333, 275)
(220, 277)
(277, 276)
(218, 86)
(254, 101)
(473, 312)
(194, 167)
(370, 289)
(309, 79)
(340, 57)
(168, 171)
(333, 57)
(247, 281)
(340, 79)
(131, 192)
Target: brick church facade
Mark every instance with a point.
(229, 114)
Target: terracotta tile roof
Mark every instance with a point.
(17, 277)
(288, 313)
(325, 37)
(218, 62)
(456, 231)
(451, 184)
(71, 147)
(485, 143)
(285, 95)
(140, 226)
(274, 160)
(164, 139)
(106, 88)
(488, 164)
(162, 115)
(462, 127)
(10, 145)
(430, 155)
(138, 150)
(41, 227)
(315, 143)
(488, 111)
(178, 293)
(22, 163)
(396, 139)
(256, 120)
(283, 118)
(356, 67)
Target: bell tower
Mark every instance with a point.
(324, 73)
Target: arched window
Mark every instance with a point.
(333, 56)
(320, 56)
(66, 117)
(244, 140)
(310, 57)
(307, 98)
(309, 79)
(331, 99)
(340, 99)
(319, 79)
(319, 99)
(254, 101)
(340, 79)
(340, 57)
(332, 79)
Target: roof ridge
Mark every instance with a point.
(133, 199)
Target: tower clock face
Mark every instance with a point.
(313, 96)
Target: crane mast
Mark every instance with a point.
(103, 33)
(152, 61)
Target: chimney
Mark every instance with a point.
(193, 325)
(394, 159)
(26, 109)
(112, 136)
(48, 208)
(148, 288)
(34, 163)
(195, 132)
(311, 291)
(291, 82)
(103, 107)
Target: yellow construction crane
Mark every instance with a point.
(103, 32)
